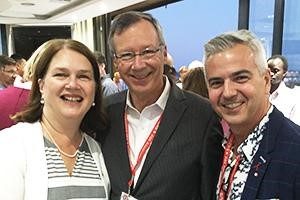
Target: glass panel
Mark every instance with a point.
(189, 24)
(261, 22)
(291, 40)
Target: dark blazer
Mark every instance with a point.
(275, 171)
(183, 161)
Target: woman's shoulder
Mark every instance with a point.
(20, 129)
(92, 143)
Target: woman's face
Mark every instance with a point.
(68, 87)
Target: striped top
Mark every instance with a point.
(85, 183)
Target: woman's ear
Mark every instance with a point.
(41, 85)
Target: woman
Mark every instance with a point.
(51, 153)
(194, 81)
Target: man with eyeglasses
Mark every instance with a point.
(8, 68)
(163, 143)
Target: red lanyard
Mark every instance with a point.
(224, 194)
(143, 151)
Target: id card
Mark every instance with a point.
(125, 196)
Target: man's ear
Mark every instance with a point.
(284, 75)
(267, 78)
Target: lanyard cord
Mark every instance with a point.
(146, 146)
(224, 194)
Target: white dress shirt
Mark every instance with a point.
(140, 125)
(287, 101)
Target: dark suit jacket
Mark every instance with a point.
(275, 171)
(184, 159)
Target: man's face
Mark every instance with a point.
(277, 72)
(237, 90)
(143, 74)
(8, 75)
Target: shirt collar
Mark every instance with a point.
(254, 138)
(161, 101)
(20, 83)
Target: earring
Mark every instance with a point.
(42, 101)
(93, 104)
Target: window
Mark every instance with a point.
(261, 18)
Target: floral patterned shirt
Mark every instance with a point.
(246, 150)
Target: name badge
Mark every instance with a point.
(125, 196)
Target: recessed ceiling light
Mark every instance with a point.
(27, 4)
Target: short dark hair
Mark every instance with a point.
(283, 59)
(5, 60)
(100, 58)
(16, 57)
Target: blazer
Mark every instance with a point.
(184, 159)
(23, 168)
(275, 171)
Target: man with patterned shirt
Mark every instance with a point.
(260, 153)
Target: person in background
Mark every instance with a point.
(108, 85)
(52, 153)
(195, 64)
(194, 81)
(260, 154)
(21, 62)
(14, 98)
(8, 70)
(162, 142)
(169, 69)
(282, 96)
(182, 72)
(170, 72)
(119, 82)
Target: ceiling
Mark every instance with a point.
(30, 12)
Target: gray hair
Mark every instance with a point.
(123, 21)
(230, 39)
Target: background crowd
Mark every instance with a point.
(226, 127)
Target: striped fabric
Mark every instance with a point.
(85, 181)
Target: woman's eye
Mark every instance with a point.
(60, 75)
(85, 77)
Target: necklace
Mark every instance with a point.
(57, 146)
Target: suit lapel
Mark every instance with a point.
(171, 115)
(118, 142)
(263, 156)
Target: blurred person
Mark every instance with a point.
(21, 62)
(170, 72)
(194, 81)
(8, 70)
(182, 72)
(169, 69)
(195, 64)
(14, 98)
(119, 82)
(260, 154)
(282, 96)
(52, 153)
(108, 85)
(161, 138)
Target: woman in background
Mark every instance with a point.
(194, 81)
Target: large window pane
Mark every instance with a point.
(261, 21)
(189, 24)
(291, 40)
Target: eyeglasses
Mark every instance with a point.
(145, 54)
